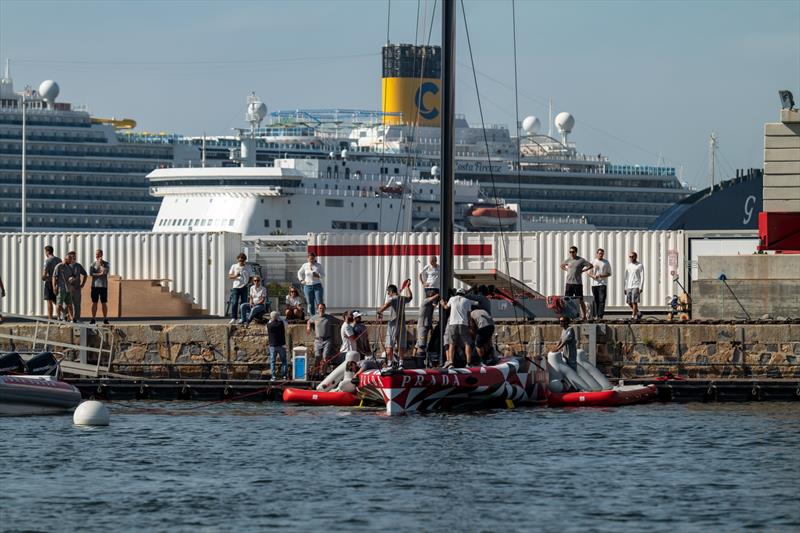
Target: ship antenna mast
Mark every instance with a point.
(712, 158)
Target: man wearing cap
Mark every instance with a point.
(396, 325)
(256, 304)
(457, 335)
(575, 266)
(276, 333)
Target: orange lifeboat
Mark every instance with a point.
(492, 217)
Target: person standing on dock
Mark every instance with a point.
(429, 277)
(50, 263)
(601, 271)
(634, 284)
(324, 331)
(575, 266)
(276, 333)
(310, 275)
(63, 276)
(568, 343)
(457, 335)
(240, 273)
(395, 326)
(99, 273)
(79, 277)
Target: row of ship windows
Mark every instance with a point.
(334, 202)
(50, 120)
(197, 222)
(78, 150)
(278, 223)
(607, 196)
(342, 224)
(578, 208)
(63, 181)
(58, 136)
(83, 220)
(13, 163)
(81, 207)
(137, 196)
(602, 182)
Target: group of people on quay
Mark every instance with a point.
(63, 281)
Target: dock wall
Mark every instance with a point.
(622, 349)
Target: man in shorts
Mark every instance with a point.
(324, 331)
(634, 284)
(50, 262)
(63, 277)
(457, 334)
(484, 331)
(99, 274)
(395, 326)
(575, 266)
(78, 281)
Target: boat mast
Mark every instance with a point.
(447, 162)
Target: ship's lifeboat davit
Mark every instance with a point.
(492, 217)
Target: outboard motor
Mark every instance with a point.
(42, 365)
(11, 363)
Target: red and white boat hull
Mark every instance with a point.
(429, 389)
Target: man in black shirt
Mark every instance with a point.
(276, 332)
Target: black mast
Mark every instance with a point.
(447, 162)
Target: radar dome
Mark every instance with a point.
(564, 122)
(344, 154)
(48, 90)
(434, 171)
(531, 125)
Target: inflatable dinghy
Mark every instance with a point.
(593, 389)
(315, 397)
(624, 395)
(32, 388)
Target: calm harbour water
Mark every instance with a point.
(198, 467)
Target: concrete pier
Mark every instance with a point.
(622, 350)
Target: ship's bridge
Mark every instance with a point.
(240, 181)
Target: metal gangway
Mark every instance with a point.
(40, 342)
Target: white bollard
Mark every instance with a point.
(91, 413)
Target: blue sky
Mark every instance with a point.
(642, 79)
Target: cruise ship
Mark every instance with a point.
(89, 173)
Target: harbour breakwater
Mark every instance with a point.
(622, 350)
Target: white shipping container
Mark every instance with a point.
(359, 266)
(195, 263)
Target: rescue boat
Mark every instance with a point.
(492, 217)
(315, 397)
(620, 395)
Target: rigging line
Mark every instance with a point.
(516, 116)
(583, 122)
(489, 160)
(433, 17)
(193, 62)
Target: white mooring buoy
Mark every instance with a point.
(91, 413)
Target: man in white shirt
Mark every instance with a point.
(457, 334)
(634, 284)
(600, 273)
(256, 305)
(429, 277)
(310, 275)
(240, 273)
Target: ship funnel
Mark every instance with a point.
(410, 88)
